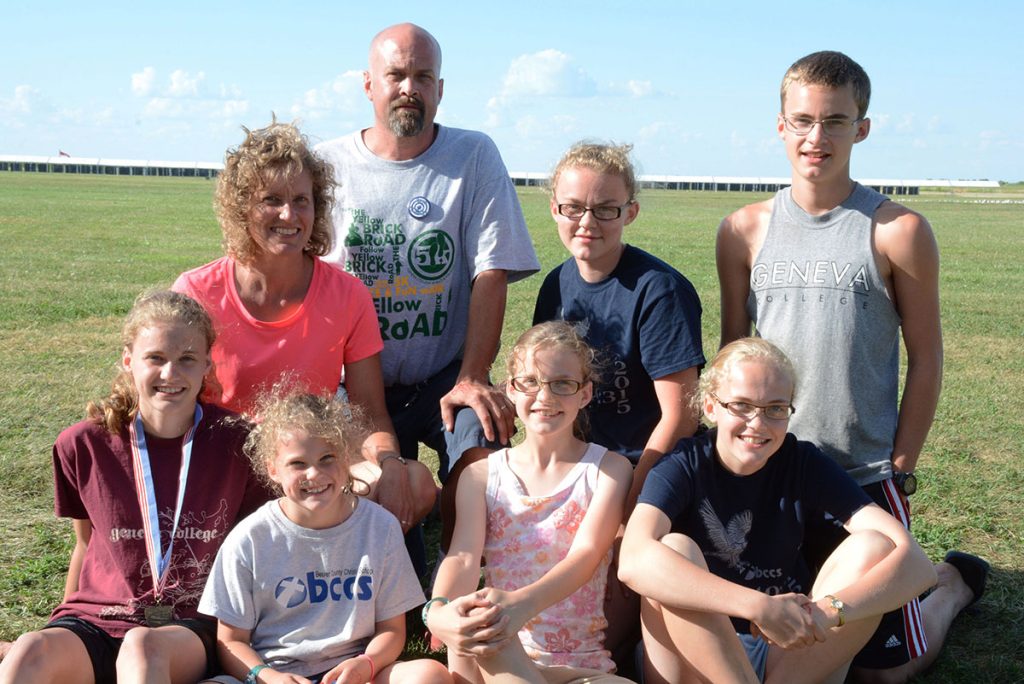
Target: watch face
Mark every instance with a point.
(907, 482)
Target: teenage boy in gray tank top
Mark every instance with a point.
(832, 272)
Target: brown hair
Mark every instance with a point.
(279, 150)
(599, 158)
(832, 70)
(153, 307)
(285, 410)
(556, 335)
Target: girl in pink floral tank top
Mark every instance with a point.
(543, 514)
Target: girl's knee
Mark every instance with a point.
(422, 671)
(685, 547)
(858, 553)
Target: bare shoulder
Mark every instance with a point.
(740, 236)
(901, 233)
(747, 222)
(617, 466)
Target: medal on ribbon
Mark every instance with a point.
(159, 563)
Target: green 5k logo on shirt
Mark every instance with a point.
(431, 255)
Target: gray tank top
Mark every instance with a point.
(815, 291)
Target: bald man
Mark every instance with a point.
(428, 218)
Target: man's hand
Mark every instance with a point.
(394, 492)
(496, 412)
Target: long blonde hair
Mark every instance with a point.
(153, 307)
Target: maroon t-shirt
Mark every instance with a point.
(94, 480)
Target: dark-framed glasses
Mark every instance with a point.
(601, 213)
(563, 387)
(747, 411)
(836, 127)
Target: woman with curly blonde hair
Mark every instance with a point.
(280, 311)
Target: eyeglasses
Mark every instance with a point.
(802, 125)
(527, 384)
(602, 213)
(747, 411)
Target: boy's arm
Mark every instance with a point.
(906, 241)
(487, 300)
(592, 541)
(740, 236)
(83, 533)
(678, 419)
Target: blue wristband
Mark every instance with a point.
(426, 606)
(253, 673)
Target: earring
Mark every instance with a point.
(347, 489)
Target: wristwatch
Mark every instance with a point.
(390, 455)
(839, 607)
(907, 482)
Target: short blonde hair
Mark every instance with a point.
(832, 70)
(285, 410)
(739, 351)
(600, 158)
(277, 151)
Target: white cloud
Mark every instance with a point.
(546, 73)
(184, 85)
(230, 91)
(640, 88)
(343, 94)
(177, 108)
(22, 102)
(539, 75)
(142, 81)
(533, 127)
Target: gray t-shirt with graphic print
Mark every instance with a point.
(418, 232)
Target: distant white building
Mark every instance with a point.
(150, 167)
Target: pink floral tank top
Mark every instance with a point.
(526, 537)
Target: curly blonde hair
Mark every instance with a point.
(151, 308)
(739, 351)
(556, 335)
(279, 150)
(599, 158)
(286, 410)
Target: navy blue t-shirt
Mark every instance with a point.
(750, 528)
(644, 322)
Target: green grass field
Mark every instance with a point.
(76, 251)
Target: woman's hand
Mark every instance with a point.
(785, 620)
(470, 625)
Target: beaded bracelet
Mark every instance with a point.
(254, 673)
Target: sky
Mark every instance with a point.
(692, 85)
